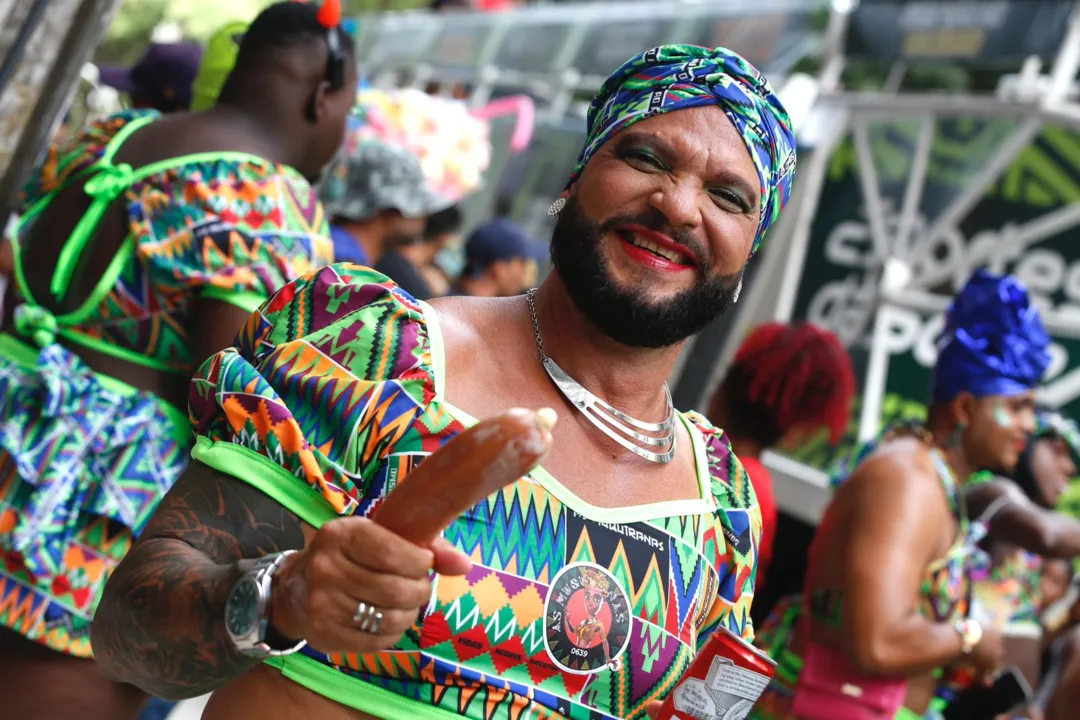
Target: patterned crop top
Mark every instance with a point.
(1011, 593)
(225, 225)
(334, 392)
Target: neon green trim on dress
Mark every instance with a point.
(356, 694)
(907, 714)
(246, 300)
(266, 476)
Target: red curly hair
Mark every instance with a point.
(786, 376)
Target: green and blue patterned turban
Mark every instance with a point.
(677, 77)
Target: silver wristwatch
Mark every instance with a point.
(247, 609)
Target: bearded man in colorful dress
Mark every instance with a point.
(342, 383)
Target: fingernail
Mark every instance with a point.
(546, 419)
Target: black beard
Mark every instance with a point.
(625, 314)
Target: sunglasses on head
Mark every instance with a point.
(329, 16)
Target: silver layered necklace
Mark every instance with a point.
(653, 441)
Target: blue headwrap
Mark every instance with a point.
(676, 77)
(994, 342)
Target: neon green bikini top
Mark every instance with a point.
(225, 225)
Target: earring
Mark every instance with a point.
(957, 434)
(557, 206)
(738, 290)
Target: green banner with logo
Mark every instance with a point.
(843, 266)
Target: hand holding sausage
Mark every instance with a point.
(385, 562)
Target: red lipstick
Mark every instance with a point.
(649, 258)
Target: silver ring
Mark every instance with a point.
(367, 618)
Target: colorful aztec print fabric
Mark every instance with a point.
(676, 77)
(82, 467)
(1012, 592)
(227, 223)
(570, 611)
(85, 459)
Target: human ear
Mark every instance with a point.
(964, 409)
(318, 104)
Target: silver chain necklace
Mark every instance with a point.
(617, 425)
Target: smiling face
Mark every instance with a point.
(1052, 467)
(997, 429)
(657, 230)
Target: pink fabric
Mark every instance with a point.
(830, 688)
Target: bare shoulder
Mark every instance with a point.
(899, 473)
(188, 133)
(461, 318)
(470, 324)
(481, 339)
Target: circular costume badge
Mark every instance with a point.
(586, 619)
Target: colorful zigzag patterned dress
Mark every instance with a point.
(335, 392)
(85, 458)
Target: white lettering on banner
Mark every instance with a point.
(635, 534)
(1042, 271)
(1072, 283)
(847, 306)
(925, 349)
(843, 246)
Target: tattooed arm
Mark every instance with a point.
(160, 624)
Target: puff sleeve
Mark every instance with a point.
(235, 229)
(326, 400)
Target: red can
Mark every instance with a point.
(722, 683)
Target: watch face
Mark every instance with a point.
(242, 608)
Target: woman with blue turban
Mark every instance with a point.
(888, 584)
(585, 596)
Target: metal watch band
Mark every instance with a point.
(261, 573)
(265, 574)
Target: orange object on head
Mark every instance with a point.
(329, 15)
